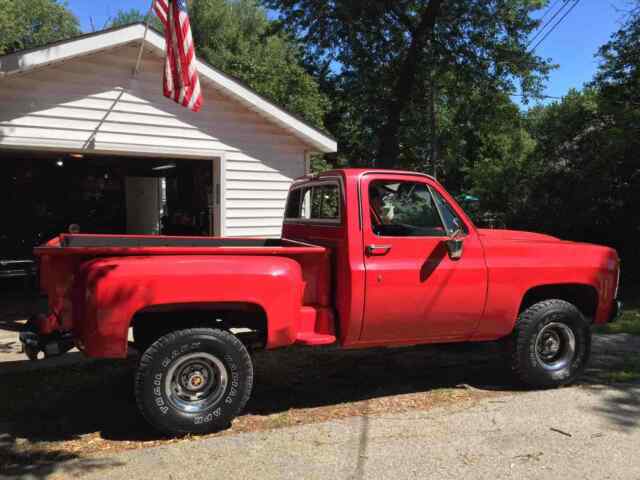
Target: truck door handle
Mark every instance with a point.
(378, 249)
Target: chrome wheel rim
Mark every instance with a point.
(555, 346)
(195, 382)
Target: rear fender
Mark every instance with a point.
(108, 293)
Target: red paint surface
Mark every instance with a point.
(328, 286)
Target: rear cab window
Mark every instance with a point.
(315, 202)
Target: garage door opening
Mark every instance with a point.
(43, 194)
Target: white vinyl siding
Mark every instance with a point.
(70, 107)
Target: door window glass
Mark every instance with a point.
(403, 209)
(451, 219)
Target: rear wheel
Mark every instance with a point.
(194, 381)
(550, 345)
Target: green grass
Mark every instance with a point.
(627, 371)
(629, 321)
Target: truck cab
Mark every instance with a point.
(410, 267)
(390, 237)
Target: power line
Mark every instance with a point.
(544, 26)
(550, 9)
(535, 96)
(555, 25)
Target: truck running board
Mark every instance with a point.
(316, 326)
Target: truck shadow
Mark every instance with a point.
(93, 396)
(311, 378)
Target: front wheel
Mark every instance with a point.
(193, 381)
(550, 345)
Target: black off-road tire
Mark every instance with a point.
(526, 359)
(199, 355)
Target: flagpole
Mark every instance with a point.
(144, 38)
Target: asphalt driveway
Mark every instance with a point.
(580, 432)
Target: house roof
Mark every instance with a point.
(30, 59)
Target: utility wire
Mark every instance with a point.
(550, 9)
(545, 25)
(535, 96)
(555, 25)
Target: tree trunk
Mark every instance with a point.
(434, 127)
(389, 134)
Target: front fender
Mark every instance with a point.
(108, 292)
(516, 267)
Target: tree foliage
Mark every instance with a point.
(238, 38)
(133, 15)
(583, 173)
(32, 23)
(389, 66)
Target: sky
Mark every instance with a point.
(572, 45)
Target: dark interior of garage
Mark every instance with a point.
(44, 194)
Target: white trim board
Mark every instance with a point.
(27, 60)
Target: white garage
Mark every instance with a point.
(74, 110)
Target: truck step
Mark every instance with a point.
(312, 338)
(316, 326)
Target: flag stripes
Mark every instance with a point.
(181, 81)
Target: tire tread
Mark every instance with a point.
(147, 358)
(519, 341)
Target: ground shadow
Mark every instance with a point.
(59, 404)
(313, 378)
(619, 401)
(40, 464)
(620, 404)
(96, 397)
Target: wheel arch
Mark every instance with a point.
(583, 296)
(248, 319)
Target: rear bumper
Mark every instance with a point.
(616, 311)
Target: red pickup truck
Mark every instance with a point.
(367, 258)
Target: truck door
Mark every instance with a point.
(414, 290)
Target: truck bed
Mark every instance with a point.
(99, 245)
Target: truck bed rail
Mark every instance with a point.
(99, 245)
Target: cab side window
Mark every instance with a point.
(403, 209)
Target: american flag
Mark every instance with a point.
(181, 82)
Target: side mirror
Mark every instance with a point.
(455, 245)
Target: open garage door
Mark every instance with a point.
(42, 194)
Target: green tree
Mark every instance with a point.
(31, 23)
(392, 67)
(133, 15)
(618, 78)
(500, 167)
(238, 38)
